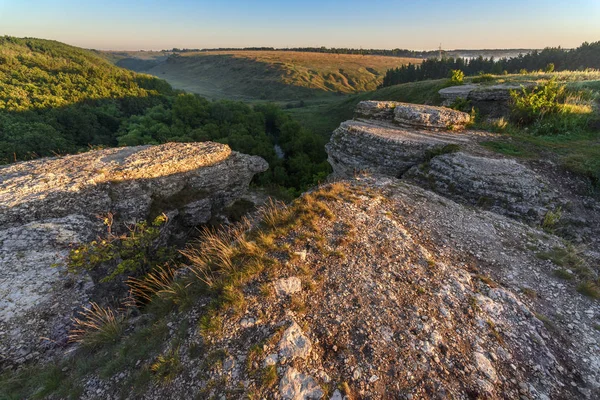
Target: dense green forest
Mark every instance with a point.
(551, 59)
(58, 99)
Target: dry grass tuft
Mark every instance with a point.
(96, 326)
(159, 283)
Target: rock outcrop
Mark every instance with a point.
(49, 205)
(492, 101)
(448, 162)
(384, 148)
(389, 137)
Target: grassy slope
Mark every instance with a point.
(275, 75)
(325, 117)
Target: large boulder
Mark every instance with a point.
(49, 205)
(126, 181)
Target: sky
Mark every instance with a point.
(416, 24)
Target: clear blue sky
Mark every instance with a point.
(416, 24)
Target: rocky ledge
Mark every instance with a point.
(48, 205)
(379, 145)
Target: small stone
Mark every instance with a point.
(287, 286)
(247, 322)
(373, 379)
(337, 395)
(271, 360)
(301, 254)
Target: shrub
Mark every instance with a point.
(531, 105)
(550, 67)
(461, 104)
(457, 77)
(136, 252)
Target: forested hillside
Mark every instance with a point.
(58, 99)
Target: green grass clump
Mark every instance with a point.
(482, 78)
(507, 148)
(551, 218)
(563, 274)
(269, 376)
(167, 366)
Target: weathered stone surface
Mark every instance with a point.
(386, 149)
(337, 395)
(297, 386)
(485, 366)
(125, 181)
(424, 281)
(379, 110)
(429, 117)
(287, 286)
(48, 205)
(412, 115)
(294, 343)
(453, 93)
(500, 185)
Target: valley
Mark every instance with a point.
(266, 75)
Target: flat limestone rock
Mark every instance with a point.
(294, 343)
(381, 110)
(491, 100)
(122, 180)
(384, 148)
(500, 185)
(297, 386)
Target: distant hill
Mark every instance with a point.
(37, 73)
(266, 75)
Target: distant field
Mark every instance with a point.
(274, 75)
